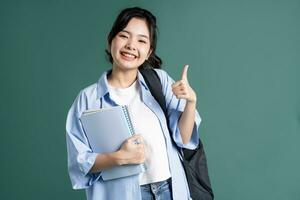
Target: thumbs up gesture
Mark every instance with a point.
(182, 89)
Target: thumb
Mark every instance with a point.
(184, 72)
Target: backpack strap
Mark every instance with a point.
(154, 84)
(194, 161)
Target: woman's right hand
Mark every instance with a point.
(133, 153)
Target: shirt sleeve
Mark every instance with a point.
(80, 156)
(175, 107)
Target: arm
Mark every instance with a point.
(81, 159)
(105, 161)
(182, 90)
(129, 153)
(175, 109)
(186, 122)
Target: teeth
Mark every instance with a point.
(128, 55)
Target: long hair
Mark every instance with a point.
(121, 22)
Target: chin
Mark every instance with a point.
(126, 66)
(129, 65)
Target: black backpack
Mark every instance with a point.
(194, 161)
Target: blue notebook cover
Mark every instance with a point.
(106, 130)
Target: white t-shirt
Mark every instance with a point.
(146, 123)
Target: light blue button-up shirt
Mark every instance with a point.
(81, 158)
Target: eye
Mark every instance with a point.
(123, 36)
(143, 41)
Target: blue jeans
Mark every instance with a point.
(157, 191)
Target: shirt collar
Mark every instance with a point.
(102, 85)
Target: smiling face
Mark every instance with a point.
(131, 46)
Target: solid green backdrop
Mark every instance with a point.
(244, 59)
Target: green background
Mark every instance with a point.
(244, 59)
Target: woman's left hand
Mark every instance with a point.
(182, 88)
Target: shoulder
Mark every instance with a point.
(89, 91)
(164, 77)
(161, 72)
(85, 98)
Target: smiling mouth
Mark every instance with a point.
(128, 55)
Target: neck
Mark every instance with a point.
(122, 78)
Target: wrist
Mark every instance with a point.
(118, 157)
(191, 102)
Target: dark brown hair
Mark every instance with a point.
(121, 22)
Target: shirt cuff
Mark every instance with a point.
(86, 162)
(194, 140)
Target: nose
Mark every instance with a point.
(130, 45)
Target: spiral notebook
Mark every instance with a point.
(106, 130)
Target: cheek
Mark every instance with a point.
(114, 49)
(145, 52)
(116, 44)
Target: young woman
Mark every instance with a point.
(132, 45)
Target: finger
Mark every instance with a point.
(180, 87)
(184, 72)
(139, 141)
(180, 93)
(178, 83)
(178, 90)
(134, 137)
(182, 96)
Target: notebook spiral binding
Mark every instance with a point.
(128, 119)
(127, 114)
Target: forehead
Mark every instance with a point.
(137, 26)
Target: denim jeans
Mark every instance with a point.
(157, 191)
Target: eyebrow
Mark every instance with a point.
(138, 34)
